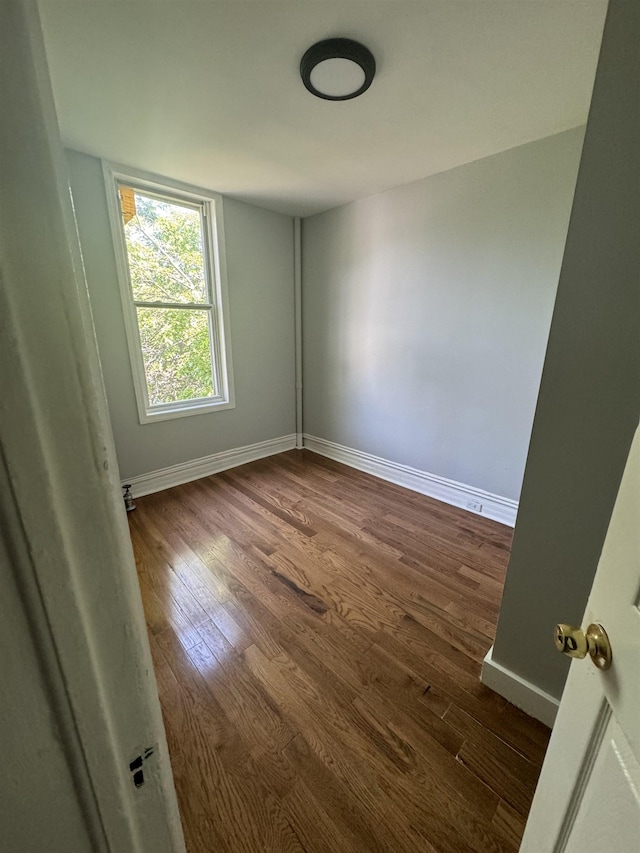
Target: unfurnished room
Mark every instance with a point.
(320, 394)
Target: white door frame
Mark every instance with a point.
(63, 519)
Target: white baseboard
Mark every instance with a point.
(185, 472)
(457, 494)
(520, 692)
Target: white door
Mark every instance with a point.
(588, 796)
(77, 662)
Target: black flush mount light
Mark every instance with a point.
(337, 69)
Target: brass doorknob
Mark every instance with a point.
(575, 643)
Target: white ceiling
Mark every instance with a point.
(209, 92)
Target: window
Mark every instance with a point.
(170, 252)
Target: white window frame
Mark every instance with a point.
(211, 205)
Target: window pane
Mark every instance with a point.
(164, 244)
(177, 353)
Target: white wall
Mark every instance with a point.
(259, 246)
(427, 309)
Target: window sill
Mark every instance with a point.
(150, 416)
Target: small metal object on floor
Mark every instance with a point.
(128, 498)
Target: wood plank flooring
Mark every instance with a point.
(317, 637)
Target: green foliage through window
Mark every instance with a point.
(164, 240)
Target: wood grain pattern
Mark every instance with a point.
(317, 636)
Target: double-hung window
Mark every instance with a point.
(169, 242)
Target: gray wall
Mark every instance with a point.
(259, 246)
(589, 401)
(427, 309)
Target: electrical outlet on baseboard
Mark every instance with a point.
(474, 506)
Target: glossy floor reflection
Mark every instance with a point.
(317, 637)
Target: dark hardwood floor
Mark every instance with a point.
(317, 637)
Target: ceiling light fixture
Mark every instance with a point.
(337, 69)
